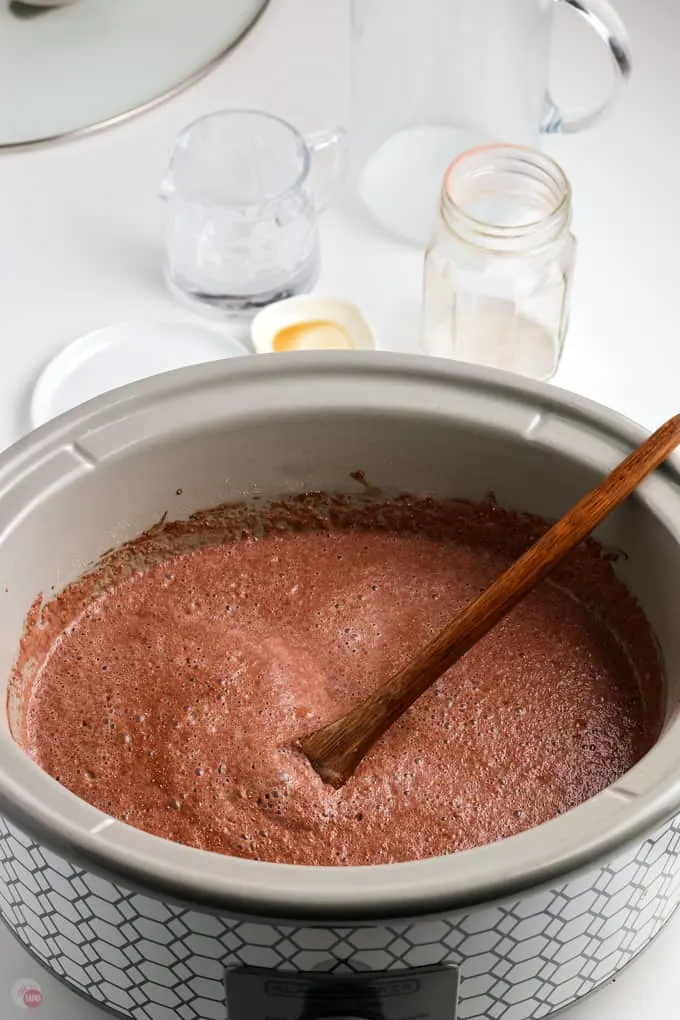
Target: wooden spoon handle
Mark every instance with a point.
(336, 750)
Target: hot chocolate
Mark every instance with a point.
(170, 692)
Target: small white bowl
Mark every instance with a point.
(308, 323)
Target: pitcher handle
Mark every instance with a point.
(328, 148)
(601, 16)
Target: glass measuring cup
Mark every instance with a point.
(244, 190)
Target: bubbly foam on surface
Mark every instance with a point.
(173, 699)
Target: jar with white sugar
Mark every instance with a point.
(498, 269)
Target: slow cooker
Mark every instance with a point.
(155, 931)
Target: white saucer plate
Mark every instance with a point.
(119, 354)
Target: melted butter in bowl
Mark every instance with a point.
(310, 323)
(312, 336)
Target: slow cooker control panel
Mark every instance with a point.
(421, 993)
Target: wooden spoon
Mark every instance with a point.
(335, 750)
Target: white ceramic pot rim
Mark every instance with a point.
(630, 810)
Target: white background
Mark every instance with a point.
(81, 239)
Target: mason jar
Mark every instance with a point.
(498, 269)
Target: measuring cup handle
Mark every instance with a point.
(601, 16)
(181, 144)
(329, 163)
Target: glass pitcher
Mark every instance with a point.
(433, 78)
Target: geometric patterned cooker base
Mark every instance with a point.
(518, 960)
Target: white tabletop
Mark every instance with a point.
(81, 237)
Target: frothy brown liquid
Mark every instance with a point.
(173, 700)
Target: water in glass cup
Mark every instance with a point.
(242, 228)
